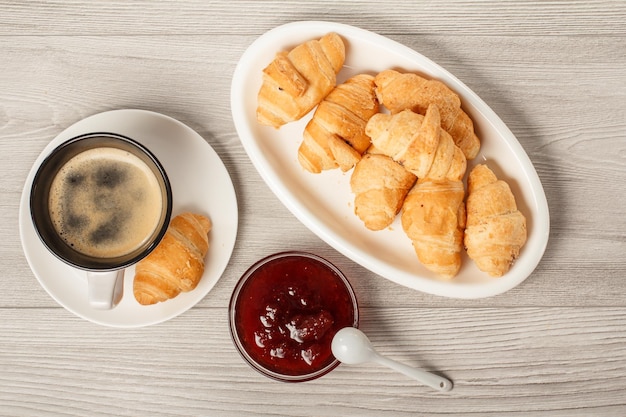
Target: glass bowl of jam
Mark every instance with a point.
(285, 311)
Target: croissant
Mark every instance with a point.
(401, 91)
(418, 143)
(380, 186)
(433, 217)
(335, 136)
(496, 230)
(296, 81)
(177, 263)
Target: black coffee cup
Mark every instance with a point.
(101, 202)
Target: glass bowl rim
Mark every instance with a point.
(232, 310)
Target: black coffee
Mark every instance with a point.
(105, 202)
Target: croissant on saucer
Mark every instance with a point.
(177, 263)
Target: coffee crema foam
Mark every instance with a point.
(105, 202)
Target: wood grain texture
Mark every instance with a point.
(458, 17)
(553, 346)
(517, 360)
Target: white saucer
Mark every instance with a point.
(200, 183)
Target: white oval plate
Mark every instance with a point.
(324, 203)
(200, 183)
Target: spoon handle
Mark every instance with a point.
(434, 381)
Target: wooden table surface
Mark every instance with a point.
(555, 72)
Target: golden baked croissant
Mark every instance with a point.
(296, 81)
(380, 186)
(177, 263)
(335, 136)
(433, 217)
(496, 230)
(400, 91)
(418, 143)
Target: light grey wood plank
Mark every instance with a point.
(553, 361)
(554, 346)
(579, 17)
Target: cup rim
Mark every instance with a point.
(124, 261)
(232, 309)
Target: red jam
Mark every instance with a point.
(287, 310)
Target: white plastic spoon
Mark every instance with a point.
(351, 346)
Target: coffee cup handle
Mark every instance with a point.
(105, 288)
